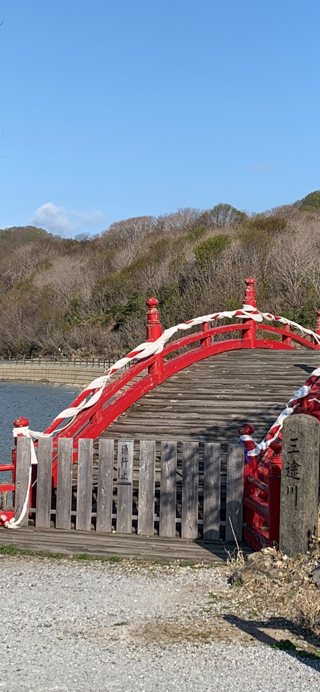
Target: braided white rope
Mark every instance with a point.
(150, 348)
(278, 424)
(145, 350)
(24, 432)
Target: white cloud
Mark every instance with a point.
(62, 221)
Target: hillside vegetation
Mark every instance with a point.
(86, 296)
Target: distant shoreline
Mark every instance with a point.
(59, 375)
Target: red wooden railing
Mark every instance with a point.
(132, 384)
(261, 502)
(126, 389)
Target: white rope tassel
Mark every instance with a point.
(14, 523)
(141, 352)
(24, 432)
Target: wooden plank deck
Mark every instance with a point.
(210, 399)
(70, 542)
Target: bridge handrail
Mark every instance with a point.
(151, 355)
(112, 388)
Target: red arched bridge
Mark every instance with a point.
(203, 385)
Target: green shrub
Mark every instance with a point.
(196, 233)
(209, 249)
(311, 201)
(226, 215)
(259, 230)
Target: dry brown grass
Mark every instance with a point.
(270, 585)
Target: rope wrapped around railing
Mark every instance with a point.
(252, 448)
(150, 348)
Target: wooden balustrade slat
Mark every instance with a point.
(211, 491)
(105, 485)
(168, 491)
(146, 487)
(84, 489)
(64, 483)
(22, 477)
(44, 482)
(124, 486)
(190, 473)
(234, 502)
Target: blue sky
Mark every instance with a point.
(119, 108)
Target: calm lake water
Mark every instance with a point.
(40, 403)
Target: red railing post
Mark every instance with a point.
(274, 493)
(18, 423)
(154, 331)
(250, 299)
(207, 339)
(286, 339)
(317, 330)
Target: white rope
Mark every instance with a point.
(278, 424)
(24, 432)
(150, 348)
(14, 523)
(141, 352)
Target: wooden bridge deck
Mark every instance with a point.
(105, 545)
(209, 400)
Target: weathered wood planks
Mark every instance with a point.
(84, 488)
(210, 399)
(23, 470)
(211, 491)
(234, 505)
(105, 485)
(188, 489)
(190, 471)
(168, 490)
(124, 486)
(44, 482)
(146, 487)
(64, 485)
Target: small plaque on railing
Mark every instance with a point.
(125, 462)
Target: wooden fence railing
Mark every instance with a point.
(102, 362)
(144, 488)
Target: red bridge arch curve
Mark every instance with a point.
(118, 395)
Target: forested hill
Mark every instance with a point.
(86, 296)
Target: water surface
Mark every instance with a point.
(40, 403)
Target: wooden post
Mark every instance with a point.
(299, 483)
(168, 490)
(84, 489)
(234, 504)
(211, 491)
(250, 299)
(105, 485)
(44, 482)
(154, 330)
(146, 487)
(190, 480)
(124, 492)
(64, 484)
(22, 477)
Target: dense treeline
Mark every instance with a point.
(87, 295)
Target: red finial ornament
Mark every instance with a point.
(249, 296)
(21, 422)
(154, 328)
(318, 322)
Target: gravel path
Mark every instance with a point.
(86, 627)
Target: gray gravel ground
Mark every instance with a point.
(82, 627)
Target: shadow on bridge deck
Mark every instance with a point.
(212, 398)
